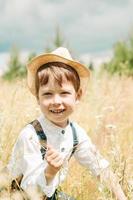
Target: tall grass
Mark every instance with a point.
(106, 112)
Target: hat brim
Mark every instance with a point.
(38, 61)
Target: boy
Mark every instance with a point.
(57, 81)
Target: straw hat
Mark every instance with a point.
(61, 54)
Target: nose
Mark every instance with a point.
(57, 99)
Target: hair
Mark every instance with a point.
(58, 71)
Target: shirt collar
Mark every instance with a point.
(51, 127)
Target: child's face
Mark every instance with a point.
(58, 102)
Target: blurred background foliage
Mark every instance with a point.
(121, 62)
(16, 69)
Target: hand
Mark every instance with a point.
(55, 162)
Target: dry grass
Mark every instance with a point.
(107, 115)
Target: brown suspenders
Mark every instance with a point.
(15, 185)
(43, 139)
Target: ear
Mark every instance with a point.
(79, 95)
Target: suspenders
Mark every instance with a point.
(43, 140)
(41, 135)
(15, 185)
(75, 139)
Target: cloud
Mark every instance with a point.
(87, 25)
(106, 26)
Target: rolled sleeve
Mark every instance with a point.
(36, 177)
(50, 188)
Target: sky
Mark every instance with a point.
(88, 27)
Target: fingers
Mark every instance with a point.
(53, 157)
(56, 163)
(50, 150)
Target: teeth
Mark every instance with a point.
(57, 111)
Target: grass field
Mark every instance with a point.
(106, 112)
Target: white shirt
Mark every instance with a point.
(26, 157)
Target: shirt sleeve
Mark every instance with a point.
(26, 159)
(88, 155)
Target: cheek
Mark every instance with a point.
(43, 104)
(71, 102)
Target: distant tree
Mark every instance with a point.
(57, 41)
(122, 61)
(91, 66)
(15, 67)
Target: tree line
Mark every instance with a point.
(121, 63)
(122, 60)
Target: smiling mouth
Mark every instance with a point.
(57, 111)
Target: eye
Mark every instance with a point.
(65, 93)
(47, 94)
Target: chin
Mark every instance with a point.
(60, 123)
